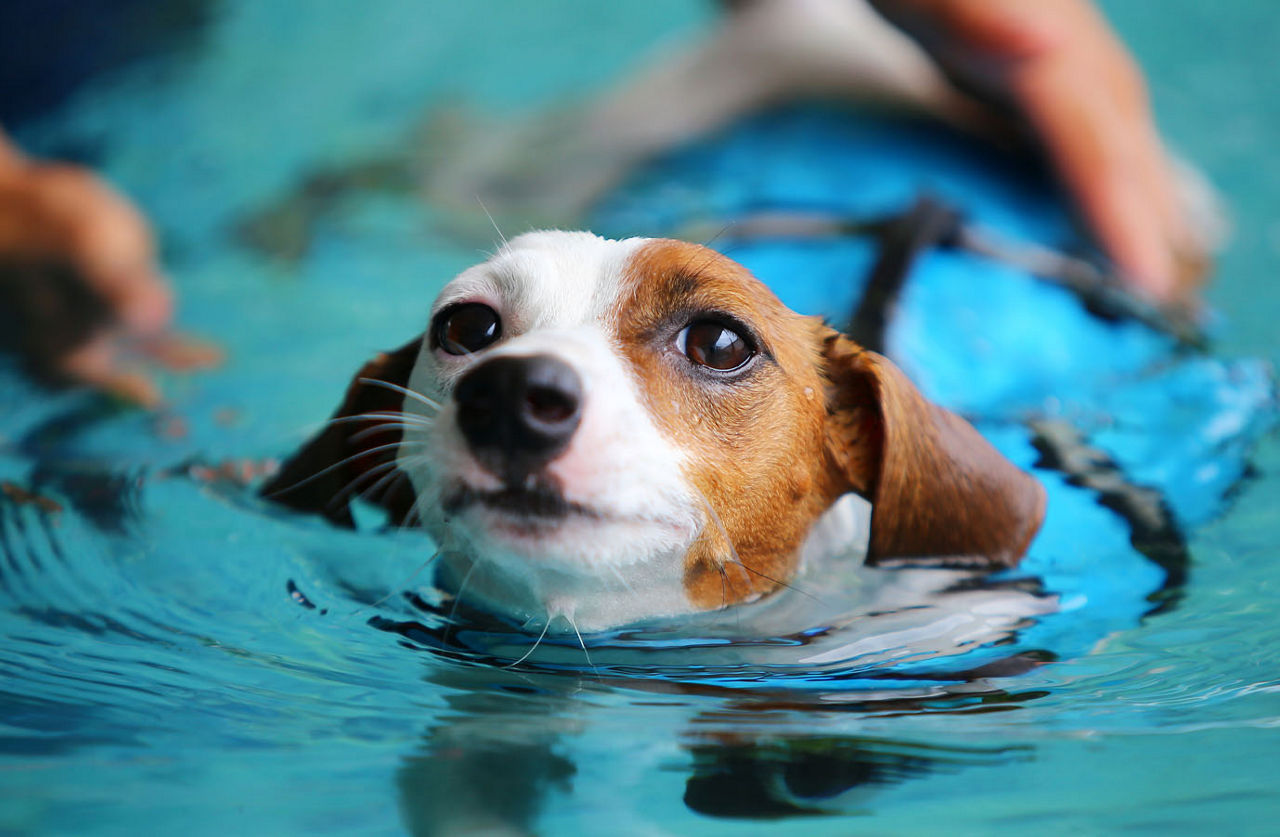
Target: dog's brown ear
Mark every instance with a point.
(354, 450)
(940, 493)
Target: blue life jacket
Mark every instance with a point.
(1136, 433)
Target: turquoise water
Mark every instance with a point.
(177, 657)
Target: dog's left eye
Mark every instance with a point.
(715, 346)
(466, 328)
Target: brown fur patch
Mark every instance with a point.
(754, 442)
(816, 416)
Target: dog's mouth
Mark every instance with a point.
(535, 503)
(535, 520)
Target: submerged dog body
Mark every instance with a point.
(616, 430)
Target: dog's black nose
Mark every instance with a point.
(518, 413)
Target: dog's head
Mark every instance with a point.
(614, 430)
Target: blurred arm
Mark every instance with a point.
(1059, 66)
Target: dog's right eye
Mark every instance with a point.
(715, 346)
(466, 328)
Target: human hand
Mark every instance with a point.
(106, 321)
(1060, 67)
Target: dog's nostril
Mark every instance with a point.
(519, 412)
(550, 405)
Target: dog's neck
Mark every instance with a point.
(562, 602)
(540, 597)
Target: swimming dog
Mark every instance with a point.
(614, 430)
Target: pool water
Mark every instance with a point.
(179, 657)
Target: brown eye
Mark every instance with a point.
(715, 346)
(466, 328)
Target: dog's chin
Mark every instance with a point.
(544, 530)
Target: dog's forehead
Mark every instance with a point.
(665, 274)
(548, 279)
(668, 277)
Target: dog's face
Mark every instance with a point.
(618, 419)
(614, 430)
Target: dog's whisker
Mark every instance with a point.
(329, 469)
(383, 428)
(467, 359)
(545, 626)
(404, 524)
(405, 391)
(617, 572)
(708, 255)
(383, 415)
(712, 240)
(396, 588)
(779, 582)
(402, 443)
(724, 576)
(389, 466)
(715, 518)
(457, 599)
(724, 586)
(373, 431)
(736, 559)
(581, 643)
(488, 215)
(346, 490)
(406, 463)
(386, 481)
(419, 500)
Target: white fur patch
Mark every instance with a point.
(623, 561)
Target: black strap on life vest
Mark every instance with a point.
(1153, 527)
(929, 223)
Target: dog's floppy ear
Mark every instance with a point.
(940, 493)
(339, 462)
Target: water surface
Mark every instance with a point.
(179, 657)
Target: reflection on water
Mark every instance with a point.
(502, 750)
(488, 764)
(787, 777)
